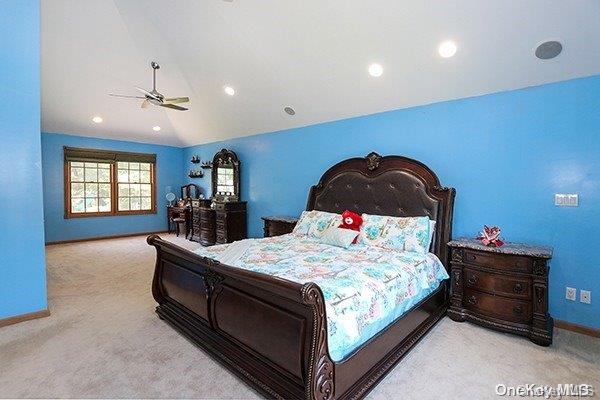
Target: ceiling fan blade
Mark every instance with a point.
(145, 103)
(126, 96)
(147, 93)
(177, 100)
(174, 107)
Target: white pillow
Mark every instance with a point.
(314, 223)
(339, 237)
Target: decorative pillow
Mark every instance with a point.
(396, 233)
(431, 233)
(339, 237)
(406, 234)
(372, 228)
(314, 223)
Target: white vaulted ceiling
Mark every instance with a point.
(312, 55)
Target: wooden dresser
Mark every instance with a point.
(503, 288)
(278, 225)
(195, 229)
(224, 222)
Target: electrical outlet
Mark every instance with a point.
(566, 200)
(585, 296)
(571, 293)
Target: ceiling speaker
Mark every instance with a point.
(548, 50)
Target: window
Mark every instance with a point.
(99, 183)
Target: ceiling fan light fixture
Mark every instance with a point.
(229, 90)
(97, 119)
(156, 128)
(289, 110)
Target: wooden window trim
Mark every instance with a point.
(113, 194)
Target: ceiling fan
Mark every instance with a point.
(154, 97)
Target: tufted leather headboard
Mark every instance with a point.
(390, 185)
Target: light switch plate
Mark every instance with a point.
(566, 200)
(585, 296)
(571, 293)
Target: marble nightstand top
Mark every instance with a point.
(508, 248)
(281, 218)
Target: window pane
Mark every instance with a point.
(145, 176)
(91, 205)
(104, 165)
(134, 176)
(104, 190)
(91, 190)
(91, 174)
(76, 164)
(145, 166)
(77, 205)
(123, 175)
(104, 205)
(122, 165)
(123, 203)
(91, 165)
(145, 190)
(123, 190)
(103, 175)
(76, 174)
(77, 189)
(134, 165)
(135, 203)
(146, 203)
(134, 190)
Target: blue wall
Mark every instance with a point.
(22, 264)
(506, 154)
(169, 178)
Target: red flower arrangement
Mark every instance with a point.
(490, 236)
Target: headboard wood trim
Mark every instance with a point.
(390, 185)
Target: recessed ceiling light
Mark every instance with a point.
(548, 50)
(97, 119)
(375, 70)
(289, 110)
(156, 128)
(229, 90)
(447, 49)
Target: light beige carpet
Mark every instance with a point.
(103, 340)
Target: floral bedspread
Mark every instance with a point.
(365, 287)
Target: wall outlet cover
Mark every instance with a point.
(571, 293)
(566, 200)
(585, 296)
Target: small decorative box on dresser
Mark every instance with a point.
(504, 288)
(279, 225)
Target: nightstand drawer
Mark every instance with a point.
(498, 261)
(498, 284)
(495, 306)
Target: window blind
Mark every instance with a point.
(95, 155)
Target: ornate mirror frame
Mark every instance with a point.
(225, 157)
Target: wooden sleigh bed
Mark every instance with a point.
(272, 332)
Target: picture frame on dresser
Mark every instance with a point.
(503, 288)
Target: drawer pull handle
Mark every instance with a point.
(518, 288)
(518, 310)
(472, 300)
(472, 279)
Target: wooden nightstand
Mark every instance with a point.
(503, 288)
(279, 225)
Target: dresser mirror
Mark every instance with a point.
(226, 176)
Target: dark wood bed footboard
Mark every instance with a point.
(272, 332)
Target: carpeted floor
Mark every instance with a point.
(103, 340)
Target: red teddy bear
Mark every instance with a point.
(351, 220)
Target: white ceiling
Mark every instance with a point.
(311, 54)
